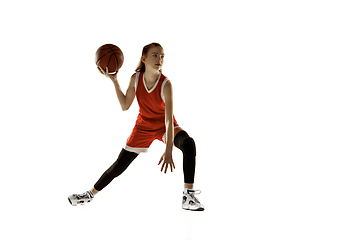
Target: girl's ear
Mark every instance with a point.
(143, 59)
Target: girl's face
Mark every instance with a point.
(154, 58)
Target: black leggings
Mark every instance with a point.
(182, 141)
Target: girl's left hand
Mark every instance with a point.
(167, 158)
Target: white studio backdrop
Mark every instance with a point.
(268, 89)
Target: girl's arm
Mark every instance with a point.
(169, 119)
(169, 123)
(124, 100)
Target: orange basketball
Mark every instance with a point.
(109, 56)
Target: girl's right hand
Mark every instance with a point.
(113, 77)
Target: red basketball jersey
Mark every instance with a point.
(151, 102)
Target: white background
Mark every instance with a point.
(268, 89)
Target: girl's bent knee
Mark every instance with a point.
(189, 147)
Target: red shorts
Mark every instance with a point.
(144, 133)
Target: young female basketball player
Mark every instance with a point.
(155, 121)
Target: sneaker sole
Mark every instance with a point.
(195, 210)
(78, 203)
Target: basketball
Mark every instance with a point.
(109, 56)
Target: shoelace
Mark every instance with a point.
(192, 194)
(85, 195)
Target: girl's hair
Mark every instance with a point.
(141, 66)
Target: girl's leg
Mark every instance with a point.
(119, 166)
(187, 145)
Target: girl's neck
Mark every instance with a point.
(151, 76)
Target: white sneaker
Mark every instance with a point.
(76, 199)
(190, 202)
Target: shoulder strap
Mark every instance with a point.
(137, 77)
(162, 87)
